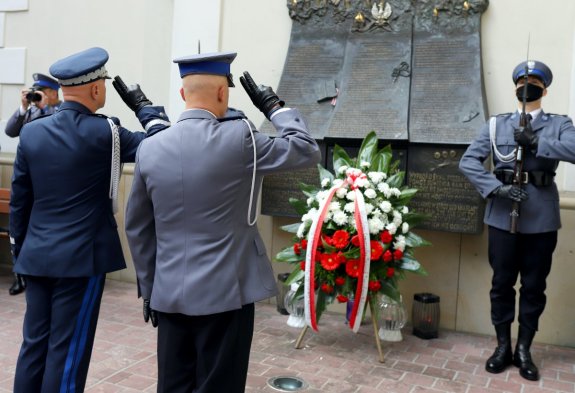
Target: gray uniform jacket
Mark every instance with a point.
(540, 213)
(186, 218)
(17, 121)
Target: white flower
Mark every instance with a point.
(362, 182)
(399, 243)
(377, 213)
(349, 207)
(368, 208)
(352, 221)
(405, 227)
(310, 201)
(395, 192)
(384, 189)
(375, 225)
(322, 196)
(334, 206)
(370, 193)
(341, 193)
(365, 164)
(391, 228)
(405, 210)
(337, 182)
(325, 182)
(353, 172)
(397, 218)
(342, 169)
(340, 218)
(350, 196)
(310, 215)
(376, 177)
(385, 206)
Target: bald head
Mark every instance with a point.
(208, 92)
(92, 95)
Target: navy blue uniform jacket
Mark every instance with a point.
(61, 218)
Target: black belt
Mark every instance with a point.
(537, 178)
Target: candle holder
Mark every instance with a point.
(282, 292)
(425, 315)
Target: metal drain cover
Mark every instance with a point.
(287, 384)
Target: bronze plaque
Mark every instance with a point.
(444, 194)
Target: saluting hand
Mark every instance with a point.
(132, 95)
(263, 97)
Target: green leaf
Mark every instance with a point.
(340, 158)
(320, 304)
(396, 180)
(406, 195)
(308, 190)
(299, 206)
(288, 255)
(390, 289)
(382, 159)
(324, 173)
(296, 276)
(368, 149)
(414, 240)
(414, 219)
(291, 228)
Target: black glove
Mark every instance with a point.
(525, 136)
(150, 314)
(133, 96)
(512, 192)
(263, 97)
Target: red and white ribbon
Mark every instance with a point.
(314, 238)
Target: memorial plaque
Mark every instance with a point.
(447, 94)
(444, 194)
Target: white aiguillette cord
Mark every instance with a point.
(250, 205)
(116, 171)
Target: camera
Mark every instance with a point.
(33, 95)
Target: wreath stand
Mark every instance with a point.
(298, 343)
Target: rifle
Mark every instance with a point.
(518, 168)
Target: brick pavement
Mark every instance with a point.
(335, 360)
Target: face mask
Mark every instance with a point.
(534, 93)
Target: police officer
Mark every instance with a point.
(546, 140)
(200, 261)
(64, 235)
(40, 100)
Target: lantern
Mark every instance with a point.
(425, 315)
(282, 291)
(392, 317)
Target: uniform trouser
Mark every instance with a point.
(204, 354)
(59, 327)
(527, 255)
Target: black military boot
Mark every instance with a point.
(502, 357)
(18, 286)
(522, 357)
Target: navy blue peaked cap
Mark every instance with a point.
(41, 80)
(217, 63)
(81, 68)
(534, 68)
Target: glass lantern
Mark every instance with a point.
(282, 292)
(425, 315)
(295, 307)
(392, 318)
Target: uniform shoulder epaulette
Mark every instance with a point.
(40, 117)
(113, 118)
(556, 114)
(504, 114)
(222, 119)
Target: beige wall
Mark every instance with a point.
(140, 38)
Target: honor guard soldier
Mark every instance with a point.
(200, 261)
(62, 227)
(39, 100)
(543, 140)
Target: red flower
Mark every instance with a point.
(340, 239)
(385, 236)
(376, 250)
(355, 240)
(374, 285)
(390, 272)
(302, 265)
(329, 261)
(341, 258)
(327, 239)
(339, 281)
(297, 248)
(387, 256)
(341, 298)
(326, 288)
(318, 256)
(304, 243)
(397, 255)
(352, 267)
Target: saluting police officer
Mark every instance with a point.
(546, 139)
(62, 227)
(200, 260)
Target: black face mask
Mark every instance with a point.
(534, 93)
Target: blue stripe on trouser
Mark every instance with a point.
(78, 343)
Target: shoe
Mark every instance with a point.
(522, 357)
(18, 286)
(502, 357)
